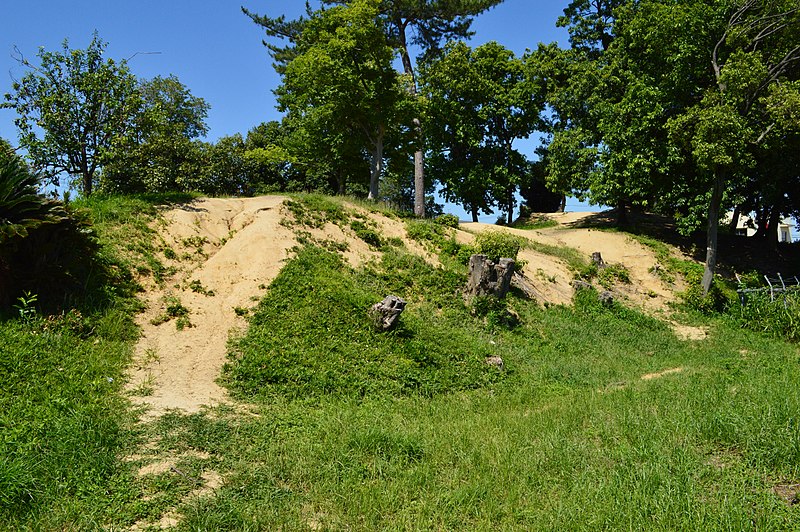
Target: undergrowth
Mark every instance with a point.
(327, 345)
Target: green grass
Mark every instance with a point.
(570, 438)
(343, 427)
(327, 345)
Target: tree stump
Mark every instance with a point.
(597, 260)
(487, 278)
(386, 314)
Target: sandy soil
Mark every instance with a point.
(646, 290)
(234, 248)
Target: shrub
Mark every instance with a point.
(720, 297)
(447, 220)
(367, 234)
(45, 248)
(499, 244)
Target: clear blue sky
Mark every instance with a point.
(212, 47)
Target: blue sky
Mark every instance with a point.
(212, 47)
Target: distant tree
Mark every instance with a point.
(72, 107)
(158, 147)
(341, 87)
(479, 102)
(431, 22)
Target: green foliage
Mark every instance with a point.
(720, 297)
(447, 220)
(73, 108)
(26, 306)
(426, 231)
(612, 274)
(368, 234)
(315, 210)
(478, 102)
(778, 317)
(499, 244)
(46, 248)
(159, 153)
(338, 351)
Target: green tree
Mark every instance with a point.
(71, 108)
(159, 145)
(479, 102)
(424, 23)
(341, 83)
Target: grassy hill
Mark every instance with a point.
(600, 418)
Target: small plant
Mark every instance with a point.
(499, 244)
(611, 274)
(241, 311)
(494, 311)
(25, 306)
(170, 253)
(197, 287)
(197, 242)
(174, 310)
(367, 234)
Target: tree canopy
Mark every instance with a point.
(72, 107)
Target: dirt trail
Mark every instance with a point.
(231, 247)
(646, 290)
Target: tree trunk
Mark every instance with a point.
(510, 217)
(419, 179)
(474, 214)
(713, 229)
(376, 167)
(622, 212)
(773, 227)
(762, 220)
(735, 220)
(419, 157)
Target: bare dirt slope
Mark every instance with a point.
(646, 289)
(226, 252)
(233, 248)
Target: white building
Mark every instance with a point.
(747, 227)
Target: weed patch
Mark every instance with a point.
(327, 345)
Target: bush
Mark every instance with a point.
(46, 248)
(719, 298)
(447, 220)
(367, 234)
(499, 244)
(779, 317)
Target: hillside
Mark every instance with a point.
(227, 251)
(259, 396)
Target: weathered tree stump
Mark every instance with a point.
(487, 278)
(386, 314)
(597, 260)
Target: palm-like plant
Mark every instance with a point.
(22, 208)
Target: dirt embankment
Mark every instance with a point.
(226, 252)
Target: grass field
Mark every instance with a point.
(601, 418)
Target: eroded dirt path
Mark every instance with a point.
(231, 248)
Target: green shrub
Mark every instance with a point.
(426, 232)
(779, 317)
(46, 248)
(499, 244)
(720, 297)
(367, 234)
(447, 220)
